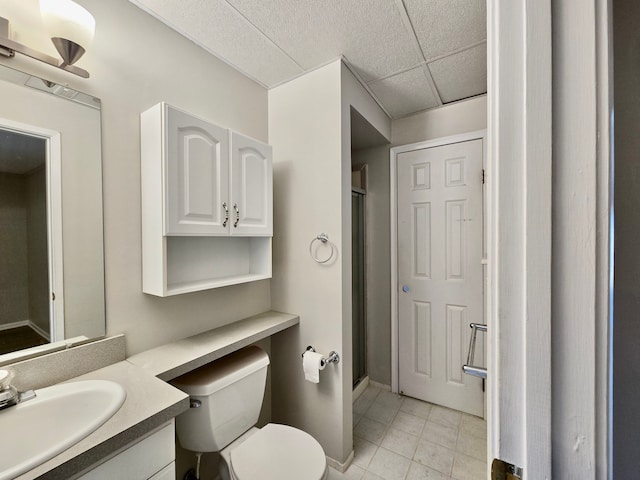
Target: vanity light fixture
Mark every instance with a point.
(71, 28)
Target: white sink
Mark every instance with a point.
(60, 416)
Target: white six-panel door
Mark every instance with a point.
(440, 274)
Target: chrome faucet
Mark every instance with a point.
(9, 395)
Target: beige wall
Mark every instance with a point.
(305, 132)
(14, 291)
(36, 195)
(460, 117)
(309, 128)
(135, 62)
(353, 96)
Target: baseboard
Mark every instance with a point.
(26, 323)
(40, 331)
(9, 326)
(360, 388)
(340, 467)
(381, 386)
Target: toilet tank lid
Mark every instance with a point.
(223, 372)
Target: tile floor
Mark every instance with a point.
(400, 438)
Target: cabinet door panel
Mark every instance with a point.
(197, 176)
(251, 187)
(140, 461)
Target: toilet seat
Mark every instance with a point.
(278, 452)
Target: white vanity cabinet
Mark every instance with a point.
(152, 458)
(207, 202)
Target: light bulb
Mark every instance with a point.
(70, 26)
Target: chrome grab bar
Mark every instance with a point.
(469, 368)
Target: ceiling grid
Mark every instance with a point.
(411, 55)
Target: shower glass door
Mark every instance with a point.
(359, 336)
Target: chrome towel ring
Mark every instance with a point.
(324, 238)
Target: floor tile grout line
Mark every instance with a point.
(388, 426)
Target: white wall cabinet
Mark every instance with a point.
(207, 203)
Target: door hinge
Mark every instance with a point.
(501, 470)
(483, 176)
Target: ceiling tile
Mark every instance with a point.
(461, 75)
(369, 33)
(219, 28)
(405, 93)
(443, 26)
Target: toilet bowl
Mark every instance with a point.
(275, 452)
(226, 397)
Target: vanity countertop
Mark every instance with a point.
(149, 404)
(174, 359)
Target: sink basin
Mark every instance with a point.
(60, 416)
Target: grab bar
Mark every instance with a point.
(469, 368)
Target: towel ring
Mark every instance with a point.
(324, 238)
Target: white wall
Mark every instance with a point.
(135, 62)
(580, 268)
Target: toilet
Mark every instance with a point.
(226, 398)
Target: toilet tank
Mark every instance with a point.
(230, 391)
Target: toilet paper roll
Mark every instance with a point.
(312, 364)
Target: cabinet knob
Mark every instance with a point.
(235, 207)
(226, 214)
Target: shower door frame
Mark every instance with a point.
(363, 193)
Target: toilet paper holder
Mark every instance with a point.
(332, 358)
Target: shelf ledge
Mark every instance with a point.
(177, 358)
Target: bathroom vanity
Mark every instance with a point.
(138, 441)
(144, 422)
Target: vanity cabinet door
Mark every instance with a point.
(141, 460)
(251, 187)
(197, 176)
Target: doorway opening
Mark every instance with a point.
(438, 269)
(29, 202)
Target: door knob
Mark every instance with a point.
(405, 288)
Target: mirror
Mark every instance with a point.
(51, 228)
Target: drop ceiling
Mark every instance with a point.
(412, 55)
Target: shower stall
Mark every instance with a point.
(359, 318)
